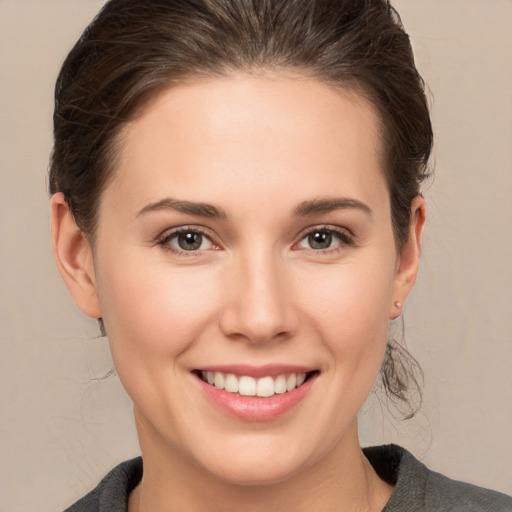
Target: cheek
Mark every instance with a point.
(350, 306)
(151, 308)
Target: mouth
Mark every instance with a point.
(248, 386)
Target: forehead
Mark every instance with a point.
(244, 133)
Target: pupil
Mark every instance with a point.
(320, 240)
(190, 241)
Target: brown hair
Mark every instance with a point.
(135, 48)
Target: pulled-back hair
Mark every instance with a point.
(134, 49)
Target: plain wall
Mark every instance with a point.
(63, 425)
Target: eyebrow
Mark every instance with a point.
(317, 206)
(306, 208)
(188, 207)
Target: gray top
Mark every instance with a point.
(417, 489)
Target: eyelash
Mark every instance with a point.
(344, 240)
(164, 240)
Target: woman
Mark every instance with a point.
(236, 200)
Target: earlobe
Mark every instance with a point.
(409, 258)
(73, 256)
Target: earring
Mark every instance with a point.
(398, 305)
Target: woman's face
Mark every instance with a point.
(246, 237)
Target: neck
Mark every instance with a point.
(342, 480)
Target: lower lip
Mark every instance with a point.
(254, 408)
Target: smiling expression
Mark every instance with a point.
(245, 269)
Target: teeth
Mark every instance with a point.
(280, 384)
(291, 382)
(249, 386)
(246, 386)
(231, 383)
(301, 377)
(219, 380)
(265, 386)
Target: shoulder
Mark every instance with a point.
(111, 494)
(420, 489)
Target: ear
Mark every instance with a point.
(409, 258)
(73, 256)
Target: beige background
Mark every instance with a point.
(63, 426)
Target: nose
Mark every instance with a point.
(258, 305)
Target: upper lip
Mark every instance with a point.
(267, 370)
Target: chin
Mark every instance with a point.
(257, 462)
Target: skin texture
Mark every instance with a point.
(256, 292)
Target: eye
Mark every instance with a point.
(324, 239)
(320, 240)
(186, 240)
